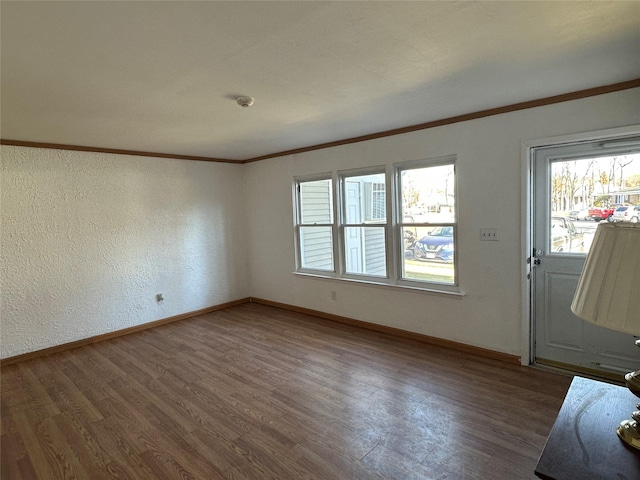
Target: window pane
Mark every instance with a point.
(365, 199)
(565, 237)
(365, 250)
(316, 248)
(428, 254)
(585, 191)
(316, 202)
(428, 194)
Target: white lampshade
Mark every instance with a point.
(608, 292)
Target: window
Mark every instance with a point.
(315, 224)
(404, 239)
(428, 223)
(364, 225)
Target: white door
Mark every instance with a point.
(568, 180)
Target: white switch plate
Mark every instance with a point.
(489, 234)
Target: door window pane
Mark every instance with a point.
(586, 191)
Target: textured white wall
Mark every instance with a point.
(89, 239)
(489, 170)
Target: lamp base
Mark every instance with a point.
(629, 433)
(632, 380)
(629, 430)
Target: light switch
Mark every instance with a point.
(489, 234)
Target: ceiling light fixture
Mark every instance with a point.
(244, 102)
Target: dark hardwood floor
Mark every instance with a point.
(254, 392)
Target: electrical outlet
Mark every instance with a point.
(334, 295)
(159, 298)
(489, 234)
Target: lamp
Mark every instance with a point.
(608, 295)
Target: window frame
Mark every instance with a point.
(342, 175)
(393, 227)
(399, 223)
(297, 212)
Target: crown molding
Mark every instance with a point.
(137, 153)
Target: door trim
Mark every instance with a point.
(526, 227)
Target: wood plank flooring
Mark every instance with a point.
(254, 392)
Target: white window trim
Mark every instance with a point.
(393, 230)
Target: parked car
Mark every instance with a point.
(580, 215)
(437, 245)
(627, 213)
(601, 213)
(565, 237)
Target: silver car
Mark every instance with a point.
(627, 213)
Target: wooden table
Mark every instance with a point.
(583, 444)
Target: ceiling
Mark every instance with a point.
(164, 76)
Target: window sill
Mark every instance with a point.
(431, 289)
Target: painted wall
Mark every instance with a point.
(489, 170)
(89, 239)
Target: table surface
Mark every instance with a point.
(583, 444)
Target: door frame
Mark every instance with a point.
(526, 227)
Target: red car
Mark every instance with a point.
(600, 213)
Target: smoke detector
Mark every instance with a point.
(244, 102)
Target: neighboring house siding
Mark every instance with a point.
(316, 251)
(316, 243)
(374, 261)
(316, 198)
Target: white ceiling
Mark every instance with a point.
(163, 76)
